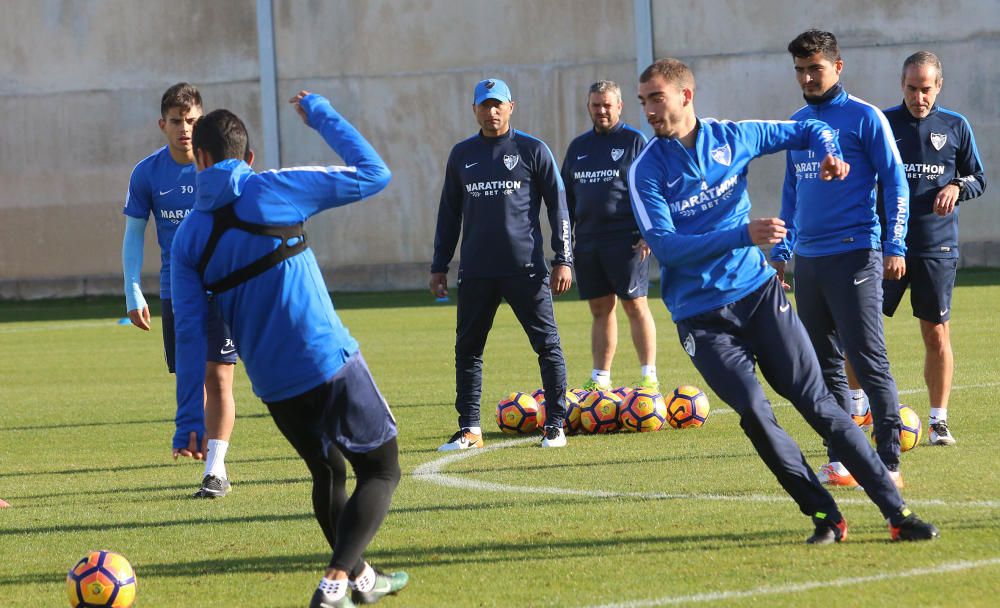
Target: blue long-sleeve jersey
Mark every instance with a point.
(693, 208)
(830, 218)
(287, 333)
(492, 195)
(594, 172)
(161, 187)
(936, 150)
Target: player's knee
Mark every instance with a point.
(637, 308)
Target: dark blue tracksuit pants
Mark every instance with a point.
(531, 301)
(839, 299)
(762, 329)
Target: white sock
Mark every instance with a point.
(365, 581)
(939, 414)
(333, 589)
(215, 460)
(857, 393)
(839, 467)
(475, 430)
(601, 376)
(649, 370)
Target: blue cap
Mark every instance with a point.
(491, 88)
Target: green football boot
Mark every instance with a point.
(386, 583)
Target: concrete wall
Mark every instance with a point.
(80, 84)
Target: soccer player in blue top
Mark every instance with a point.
(943, 169)
(841, 254)
(494, 185)
(610, 257)
(243, 246)
(689, 194)
(162, 184)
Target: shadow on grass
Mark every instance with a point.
(129, 422)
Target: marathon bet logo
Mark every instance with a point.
(723, 155)
(617, 153)
(175, 216)
(510, 161)
(938, 140)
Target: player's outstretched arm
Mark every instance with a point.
(313, 189)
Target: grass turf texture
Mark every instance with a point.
(86, 409)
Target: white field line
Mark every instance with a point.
(433, 472)
(716, 596)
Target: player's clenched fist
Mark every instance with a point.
(833, 167)
(767, 230)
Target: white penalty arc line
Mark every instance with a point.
(433, 472)
(807, 586)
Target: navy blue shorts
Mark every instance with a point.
(221, 348)
(931, 281)
(605, 267)
(355, 416)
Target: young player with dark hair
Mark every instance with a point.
(162, 184)
(841, 255)
(243, 246)
(610, 257)
(494, 185)
(689, 194)
(943, 169)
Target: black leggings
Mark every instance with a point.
(351, 520)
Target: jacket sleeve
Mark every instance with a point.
(782, 252)
(969, 166)
(449, 219)
(314, 189)
(132, 244)
(657, 226)
(553, 191)
(884, 156)
(567, 177)
(770, 136)
(190, 329)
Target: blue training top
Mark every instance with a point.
(936, 150)
(283, 322)
(826, 218)
(492, 195)
(693, 208)
(165, 189)
(594, 172)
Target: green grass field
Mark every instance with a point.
(668, 518)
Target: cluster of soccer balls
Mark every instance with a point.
(101, 579)
(636, 410)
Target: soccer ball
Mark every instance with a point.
(643, 411)
(101, 579)
(599, 412)
(580, 393)
(517, 414)
(910, 429)
(688, 407)
(538, 395)
(571, 423)
(622, 392)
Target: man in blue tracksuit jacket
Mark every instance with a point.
(943, 169)
(610, 257)
(834, 231)
(243, 247)
(688, 189)
(494, 185)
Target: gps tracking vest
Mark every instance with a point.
(293, 242)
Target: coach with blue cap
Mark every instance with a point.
(494, 186)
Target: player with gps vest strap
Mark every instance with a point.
(243, 246)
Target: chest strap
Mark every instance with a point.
(224, 219)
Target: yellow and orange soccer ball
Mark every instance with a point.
(101, 579)
(517, 414)
(687, 408)
(643, 411)
(571, 423)
(910, 429)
